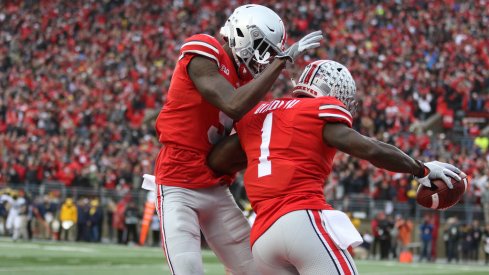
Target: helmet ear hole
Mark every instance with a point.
(239, 32)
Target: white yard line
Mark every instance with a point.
(68, 248)
(48, 247)
(88, 268)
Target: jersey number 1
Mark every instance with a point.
(264, 164)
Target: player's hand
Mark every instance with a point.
(440, 170)
(309, 41)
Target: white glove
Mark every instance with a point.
(309, 41)
(440, 170)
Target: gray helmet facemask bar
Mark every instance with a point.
(256, 60)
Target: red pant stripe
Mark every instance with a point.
(159, 208)
(332, 246)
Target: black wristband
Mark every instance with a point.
(421, 171)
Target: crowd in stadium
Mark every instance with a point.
(81, 81)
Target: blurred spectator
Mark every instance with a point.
(451, 236)
(466, 241)
(384, 227)
(411, 194)
(374, 226)
(394, 238)
(17, 217)
(110, 209)
(480, 182)
(3, 213)
(482, 143)
(83, 229)
(119, 221)
(476, 234)
(476, 103)
(485, 241)
(426, 232)
(7, 201)
(405, 229)
(131, 221)
(435, 220)
(29, 216)
(95, 218)
(68, 217)
(45, 212)
(426, 237)
(385, 189)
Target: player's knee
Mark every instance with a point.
(187, 263)
(245, 268)
(238, 228)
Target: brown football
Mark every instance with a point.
(439, 196)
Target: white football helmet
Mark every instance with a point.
(327, 78)
(255, 34)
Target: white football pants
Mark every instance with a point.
(298, 243)
(185, 212)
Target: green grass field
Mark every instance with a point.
(47, 258)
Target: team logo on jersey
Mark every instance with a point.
(225, 69)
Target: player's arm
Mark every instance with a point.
(219, 92)
(227, 157)
(386, 156)
(378, 153)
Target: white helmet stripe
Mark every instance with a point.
(314, 66)
(316, 70)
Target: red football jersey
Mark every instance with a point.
(288, 161)
(188, 125)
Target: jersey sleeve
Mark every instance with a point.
(333, 111)
(203, 45)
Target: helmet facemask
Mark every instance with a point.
(258, 55)
(255, 35)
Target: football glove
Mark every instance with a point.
(440, 170)
(309, 41)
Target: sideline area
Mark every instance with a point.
(60, 258)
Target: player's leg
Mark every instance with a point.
(312, 251)
(269, 251)
(180, 231)
(226, 230)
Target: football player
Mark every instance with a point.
(288, 146)
(213, 84)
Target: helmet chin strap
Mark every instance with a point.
(236, 59)
(241, 66)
